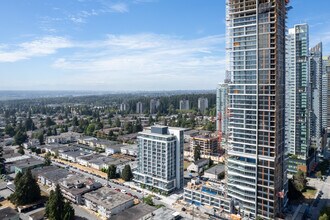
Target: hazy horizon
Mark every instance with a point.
(124, 45)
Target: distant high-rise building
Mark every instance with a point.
(160, 158)
(324, 96)
(327, 72)
(184, 104)
(222, 109)
(316, 70)
(154, 104)
(298, 98)
(139, 108)
(123, 107)
(256, 168)
(203, 104)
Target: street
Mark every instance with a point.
(321, 186)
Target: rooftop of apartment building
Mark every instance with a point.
(160, 131)
(210, 186)
(107, 198)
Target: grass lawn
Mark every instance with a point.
(309, 193)
(186, 164)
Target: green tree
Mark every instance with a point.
(211, 162)
(47, 160)
(49, 122)
(27, 190)
(21, 150)
(112, 172)
(127, 174)
(117, 122)
(318, 174)
(324, 217)
(90, 129)
(299, 180)
(221, 175)
(57, 208)
(17, 178)
(148, 200)
(68, 212)
(2, 161)
(41, 138)
(29, 125)
(129, 127)
(20, 137)
(197, 153)
(75, 121)
(9, 130)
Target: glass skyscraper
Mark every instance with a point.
(298, 98)
(316, 69)
(256, 171)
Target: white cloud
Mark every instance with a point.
(149, 59)
(36, 48)
(119, 7)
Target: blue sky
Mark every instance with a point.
(125, 44)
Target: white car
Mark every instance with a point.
(123, 191)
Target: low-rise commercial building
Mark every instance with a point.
(141, 211)
(72, 155)
(84, 160)
(198, 166)
(113, 149)
(74, 186)
(50, 176)
(63, 138)
(131, 150)
(23, 165)
(214, 172)
(107, 202)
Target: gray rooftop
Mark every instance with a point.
(7, 213)
(164, 213)
(75, 153)
(55, 175)
(216, 169)
(107, 198)
(135, 212)
(117, 146)
(91, 157)
(28, 163)
(108, 161)
(41, 170)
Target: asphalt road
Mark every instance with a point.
(323, 186)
